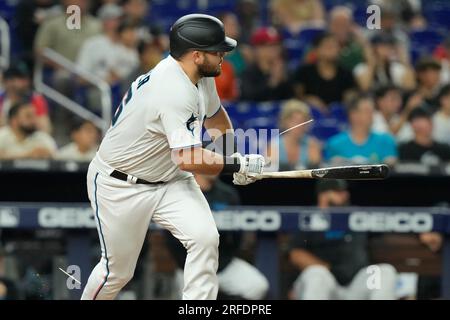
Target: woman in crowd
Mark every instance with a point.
(295, 149)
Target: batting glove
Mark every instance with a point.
(252, 166)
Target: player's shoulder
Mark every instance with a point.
(169, 80)
(167, 72)
(209, 83)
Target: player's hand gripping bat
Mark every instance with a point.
(359, 172)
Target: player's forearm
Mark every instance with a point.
(220, 129)
(219, 124)
(199, 160)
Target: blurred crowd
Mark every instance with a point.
(312, 60)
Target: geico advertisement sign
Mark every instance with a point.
(248, 220)
(66, 218)
(9, 217)
(390, 221)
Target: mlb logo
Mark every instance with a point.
(317, 221)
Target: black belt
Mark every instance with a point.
(124, 177)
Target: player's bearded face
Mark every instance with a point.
(211, 66)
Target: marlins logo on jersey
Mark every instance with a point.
(192, 123)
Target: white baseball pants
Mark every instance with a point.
(123, 211)
(318, 283)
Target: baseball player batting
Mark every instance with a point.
(143, 168)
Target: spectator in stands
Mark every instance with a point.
(55, 34)
(388, 117)
(441, 119)
(423, 148)
(295, 149)
(429, 81)
(238, 279)
(433, 240)
(324, 81)
(408, 13)
(249, 14)
(294, 15)
(17, 85)
(334, 264)
(127, 57)
(20, 139)
(8, 289)
(360, 144)
(442, 54)
(29, 17)
(234, 62)
(85, 138)
(267, 78)
(136, 12)
(355, 48)
(227, 83)
(243, 54)
(150, 53)
(389, 64)
(97, 4)
(121, 60)
(98, 54)
(390, 24)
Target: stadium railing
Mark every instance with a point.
(102, 122)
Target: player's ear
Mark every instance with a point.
(198, 57)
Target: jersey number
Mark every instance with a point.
(127, 98)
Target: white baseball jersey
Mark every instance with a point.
(162, 110)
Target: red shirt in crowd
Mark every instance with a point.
(37, 100)
(226, 83)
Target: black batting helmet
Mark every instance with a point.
(199, 32)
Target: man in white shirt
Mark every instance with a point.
(388, 118)
(85, 136)
(143, 168)
(97, 55)
(441, 119)
(20, 139)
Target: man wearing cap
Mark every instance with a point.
(267, 78)
(143, 168)
(333, 263)
(17, 85)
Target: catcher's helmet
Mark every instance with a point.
(199, 32)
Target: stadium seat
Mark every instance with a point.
(423, 42)
(8, 9)
(297, 45)
(437, 14)
(327, 125)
